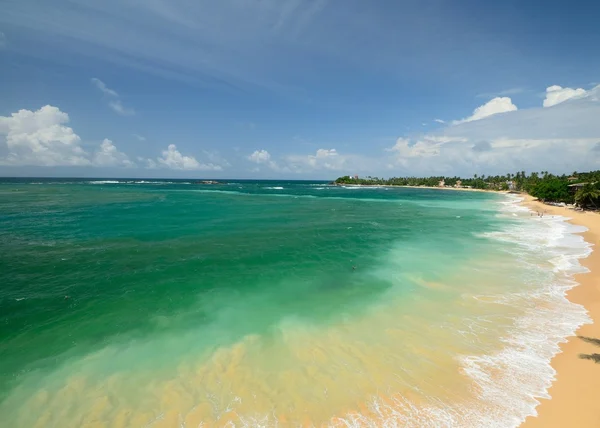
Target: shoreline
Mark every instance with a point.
(574, 393)
(461, 189)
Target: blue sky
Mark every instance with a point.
(297, 89)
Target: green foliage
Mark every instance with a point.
(543, 185)
(553, 189)
(588, 195)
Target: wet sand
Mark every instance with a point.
(575, 393)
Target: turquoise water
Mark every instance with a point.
(166, 303)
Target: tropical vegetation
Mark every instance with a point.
(588, 195)
(578, 188)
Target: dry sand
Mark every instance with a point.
(575, 394)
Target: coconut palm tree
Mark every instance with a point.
(587, 195)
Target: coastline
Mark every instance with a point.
(574, 393)
(461, 189)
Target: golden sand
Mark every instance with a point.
(575, 394)
(301, 376)
(353, 370)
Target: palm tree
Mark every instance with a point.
(587, 195)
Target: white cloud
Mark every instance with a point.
(139, 137)
(263, 157)
(115, 102)
(556, 94)
(173, 159)
(260, 156)
(41, 138)
(559, 139)
(109, 156)
(323, 159)
(439, 120)
(323, 154)
(118, 107)
(492, 107)
(425, 146)
(105, 89)
(332, 162)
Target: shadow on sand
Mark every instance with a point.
(594, 357)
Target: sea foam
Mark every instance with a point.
(508, 383)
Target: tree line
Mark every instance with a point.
(581, 188)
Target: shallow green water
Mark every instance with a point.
(164, 275)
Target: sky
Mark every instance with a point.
(298, 89)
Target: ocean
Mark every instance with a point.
(167, 303)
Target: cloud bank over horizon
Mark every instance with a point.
(299, 89)
(561, 135)
(42, 138)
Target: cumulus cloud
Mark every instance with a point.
(263, 157)
(260, 156)
(557, 94)
(332, 162)
(425, 146)
(109, 156)
(558, 139)
(323, 159)
(329, 159)
(41, 138)
(114, 99)
(413, 153)
(173, 159)
(492, 107)
(326, 158)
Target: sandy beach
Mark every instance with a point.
(576, 391)
(461, 189)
